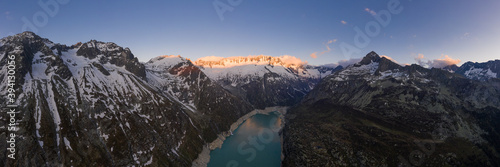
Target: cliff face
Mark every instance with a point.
(377, 113)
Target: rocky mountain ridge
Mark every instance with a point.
(478, 71)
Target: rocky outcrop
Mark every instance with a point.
(111, 53)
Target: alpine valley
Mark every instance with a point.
(95, 104)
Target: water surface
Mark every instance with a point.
(254, 143)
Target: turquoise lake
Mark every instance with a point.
(255, 142)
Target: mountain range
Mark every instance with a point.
(378, 113)
(95, 104)
(477, 71)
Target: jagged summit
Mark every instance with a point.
(372, 54)
(26, 37)
(165, 58)
(27, 34)
(369, 58)
(104, 46)
(167, 61)
(371, 65)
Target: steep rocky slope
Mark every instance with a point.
(378, 113)
(94, 104)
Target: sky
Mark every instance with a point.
(428, 32)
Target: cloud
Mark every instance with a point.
(314, 55)
(343, 22)
(420, 56)
(328, 49)
(344, 63)
(8, 16)
(330, 65)
(444, 61)
(347, 62)
(465, 36)
(370, 11)
(292, 60)
(391, 59)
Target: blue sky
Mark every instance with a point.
(459, 29)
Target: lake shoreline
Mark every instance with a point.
(204, 157)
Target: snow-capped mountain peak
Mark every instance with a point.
(165, 62)
(249, 67)
(219, 62)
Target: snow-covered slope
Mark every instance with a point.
(89, 100)
(178, 77)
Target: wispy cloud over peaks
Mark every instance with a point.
(370, 11)
(390, 58)
(314, 55)
(328, 49)
(465, 36)
(7, 15)
(344, 63)
(444, 61)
